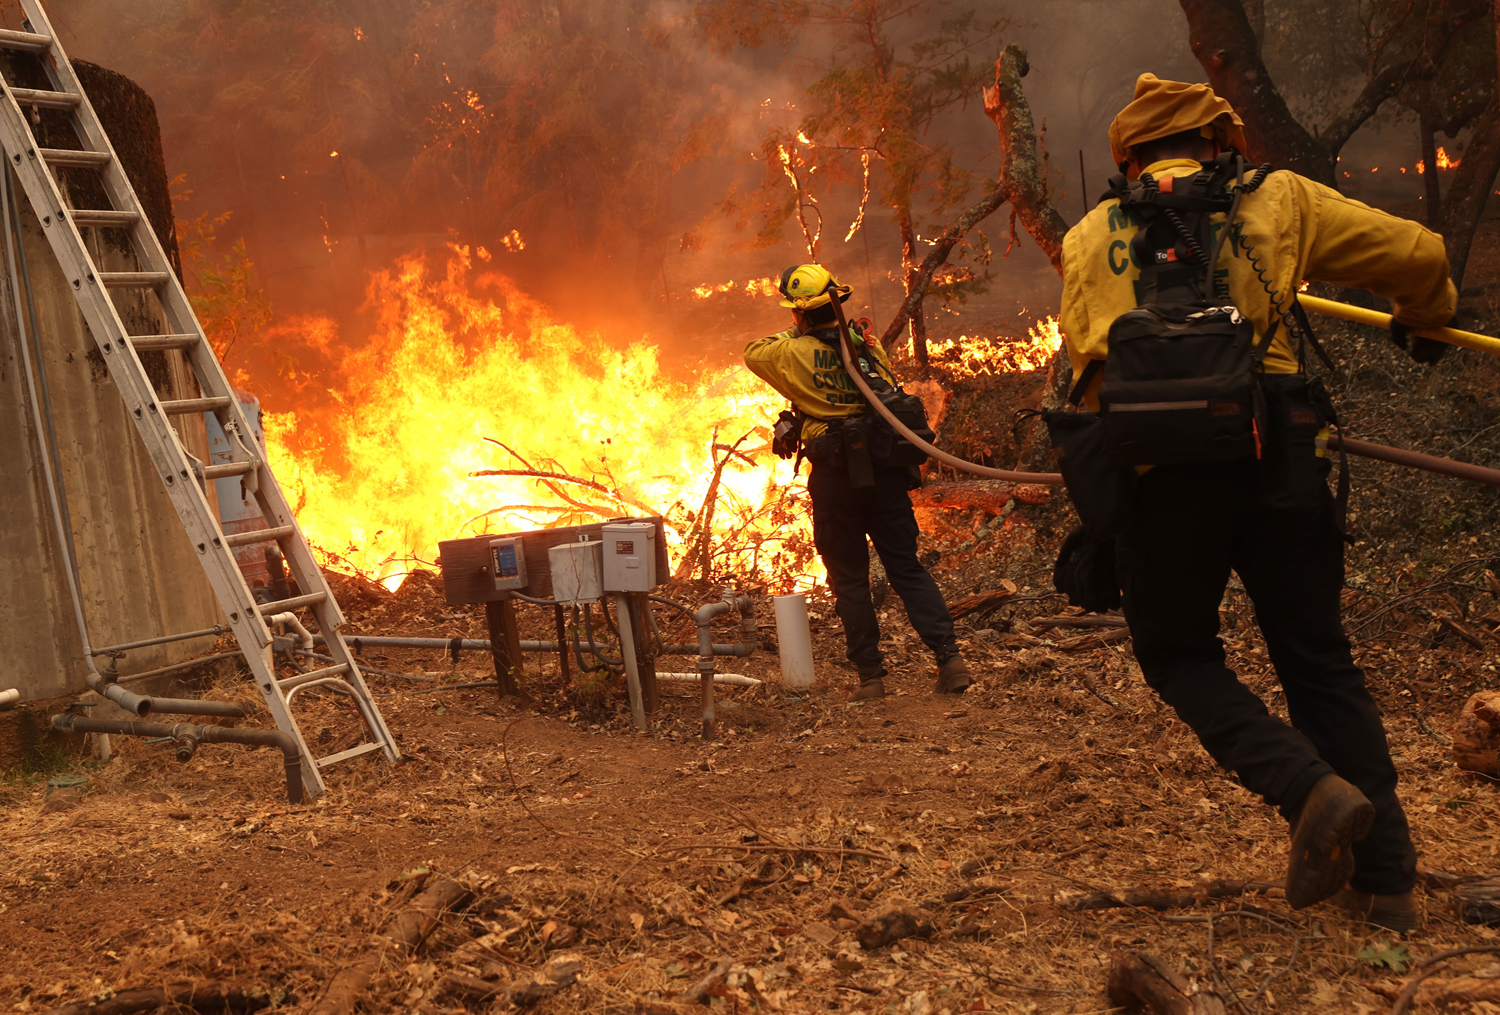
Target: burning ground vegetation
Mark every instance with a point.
(1001, 851)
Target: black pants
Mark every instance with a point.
(842, 518)
(1191, 525)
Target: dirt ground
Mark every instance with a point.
(1003, 820)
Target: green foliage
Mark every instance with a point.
(1395, 957)
(228, 303)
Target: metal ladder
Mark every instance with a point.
(182, 475)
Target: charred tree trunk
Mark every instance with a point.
(1470, 189)
(1020, 183)
(914, 281)
(1434, 195)
(1225, 43)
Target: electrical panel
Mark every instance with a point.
(577, 569)
(508, 563)
(629, 557)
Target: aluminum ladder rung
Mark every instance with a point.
(275, 535)
(73, 157)
(184, 406)
(294, 603)
(288, 683)
(353, 752)
(25, 41)
(45, 99)
(228, 469)
(148, 343)
(134, 279)
(103, 217)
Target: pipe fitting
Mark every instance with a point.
(304, 636)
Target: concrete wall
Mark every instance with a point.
(140, 576)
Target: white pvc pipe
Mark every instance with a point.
(731, 679)
(794, 636)
(9, 698)
(305, 638)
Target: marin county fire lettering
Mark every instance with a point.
(830, 378)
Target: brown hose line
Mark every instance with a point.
(1379, 452)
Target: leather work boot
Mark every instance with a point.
(1393, 912)
(1334, 817)
(953, 677)
(869, 690)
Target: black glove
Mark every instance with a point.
(1085, 572)
(786, 436)
(1420, 349)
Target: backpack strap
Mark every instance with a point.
(1091, 369)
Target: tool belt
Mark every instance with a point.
(855, 445)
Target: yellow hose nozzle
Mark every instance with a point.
(1359, 315)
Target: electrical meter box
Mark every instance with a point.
(629, 556)
(507, 563)
(577, 569)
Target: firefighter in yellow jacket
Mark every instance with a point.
(805, 364)
(1329, 770)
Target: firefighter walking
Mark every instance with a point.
(859, 490)
(1223, 477)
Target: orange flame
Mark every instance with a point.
(754, 287)
(465, 374)
(971, 356)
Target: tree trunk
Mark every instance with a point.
(1470, 189)
(911, 278)
(1224, 41)
(1434, 196)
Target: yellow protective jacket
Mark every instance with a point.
(809, 373)
(1297, 228)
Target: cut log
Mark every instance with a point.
(1479, 901)
(1476, 738)
(412, 926)
(1143, 982)
(209, 998)
(982, 600)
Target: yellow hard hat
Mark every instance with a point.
(804, 286)
(1162, 108)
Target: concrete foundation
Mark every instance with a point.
(140, 576)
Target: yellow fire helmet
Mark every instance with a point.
(804, 286)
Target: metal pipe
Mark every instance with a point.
(188, 733)
(164, 639)
(199, 706)
(186, 664)
(704, 617)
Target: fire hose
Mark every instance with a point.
(1379, 452)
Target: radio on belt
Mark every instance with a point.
(629, 557)
(507, 563)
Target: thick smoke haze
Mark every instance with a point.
(342, 135)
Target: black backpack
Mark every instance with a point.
(1183, 380)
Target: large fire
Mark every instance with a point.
(470, 410)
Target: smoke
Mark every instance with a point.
(578, 143)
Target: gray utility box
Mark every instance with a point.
(577, 569)
(629, 557)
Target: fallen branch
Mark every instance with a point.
(1092, 640)
(346, 988)
(1079, 620)
(1142, 979)
(413, 925)
(989, 495)
(982, 600)
(1151, 898)
(698, 992)
(211, 998)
